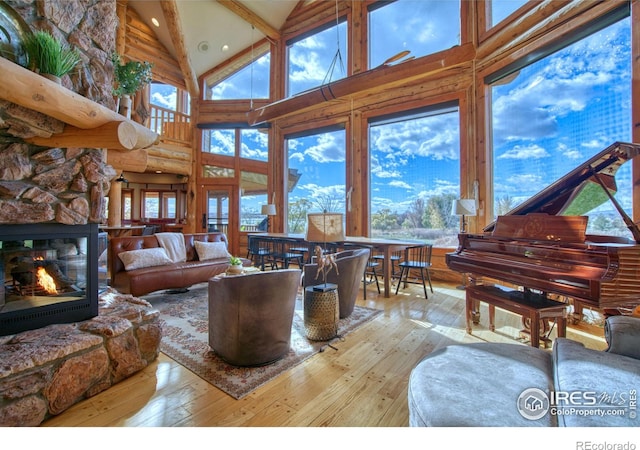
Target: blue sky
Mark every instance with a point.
(547, 121)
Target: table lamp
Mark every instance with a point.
(463, 207)
(268, 210)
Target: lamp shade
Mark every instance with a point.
(269, 210)
(464, 207)
(324, 227)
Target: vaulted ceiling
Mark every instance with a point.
(201, 34)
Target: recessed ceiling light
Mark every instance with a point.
(224, 48)
(203, 47)
(155, 21)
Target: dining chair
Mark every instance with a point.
(282, 256)
(417, 257)
(259, 251)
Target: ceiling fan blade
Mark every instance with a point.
(396, 57)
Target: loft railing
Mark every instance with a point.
(172, 126)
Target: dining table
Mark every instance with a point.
(385, 246)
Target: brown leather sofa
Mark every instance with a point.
(250, 316)
(351, 265)
(169, 276)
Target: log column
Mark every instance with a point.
(115, 204)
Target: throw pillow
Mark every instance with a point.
(211, 250)
(146, 257)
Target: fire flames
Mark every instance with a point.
(45, 280)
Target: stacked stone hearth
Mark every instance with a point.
(43, 372)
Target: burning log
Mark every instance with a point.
(26, 273)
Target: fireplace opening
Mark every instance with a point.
(49, 273)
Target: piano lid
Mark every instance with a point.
(583, 189)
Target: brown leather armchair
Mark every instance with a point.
(351, 265)
(250, 316)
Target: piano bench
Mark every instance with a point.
(534, 307)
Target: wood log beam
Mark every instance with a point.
(133, 161)
(172, 16)
(113, 135)
(157, 164)
(250, 17)
(376, 79)
(30, 90)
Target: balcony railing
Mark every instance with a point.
(171, 125)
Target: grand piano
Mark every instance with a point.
(542, 245)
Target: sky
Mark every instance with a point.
(547, 121)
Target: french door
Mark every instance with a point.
(220, 213)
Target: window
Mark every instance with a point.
(552, 115)
(415, 175)
(164, 95)
(254, 144)
(314, 60)
(253, 194)
(252, 81)
(221, 142)
(217, 172)
(169, 112)
(127, 204)
(501, 9)
(158, 205)
(420, 26)
(317, 163)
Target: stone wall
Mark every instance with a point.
(44, 372)
(60, 185)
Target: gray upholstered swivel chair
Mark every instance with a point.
(250, 316)
(351, 265)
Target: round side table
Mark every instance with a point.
(321, 313)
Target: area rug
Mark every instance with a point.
(184, 316)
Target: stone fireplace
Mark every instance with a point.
(76, 343)
(52, 199)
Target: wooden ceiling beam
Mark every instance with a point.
(172, 16)
(375, 79)
(252, 18)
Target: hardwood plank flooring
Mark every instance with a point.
(361, 384)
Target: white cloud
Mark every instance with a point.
(525, 152)
(401, 184)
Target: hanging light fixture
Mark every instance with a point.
(121, 178)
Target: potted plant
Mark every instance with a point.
(130, 77)
(48, 56)
(235, 265)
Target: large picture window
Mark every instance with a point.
(552, 115)
(314, 60)
(415, 175)
(250, 82)
(419, 26)
(318, 161)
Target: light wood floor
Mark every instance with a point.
(361, 384)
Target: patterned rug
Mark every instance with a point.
(185, 340)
